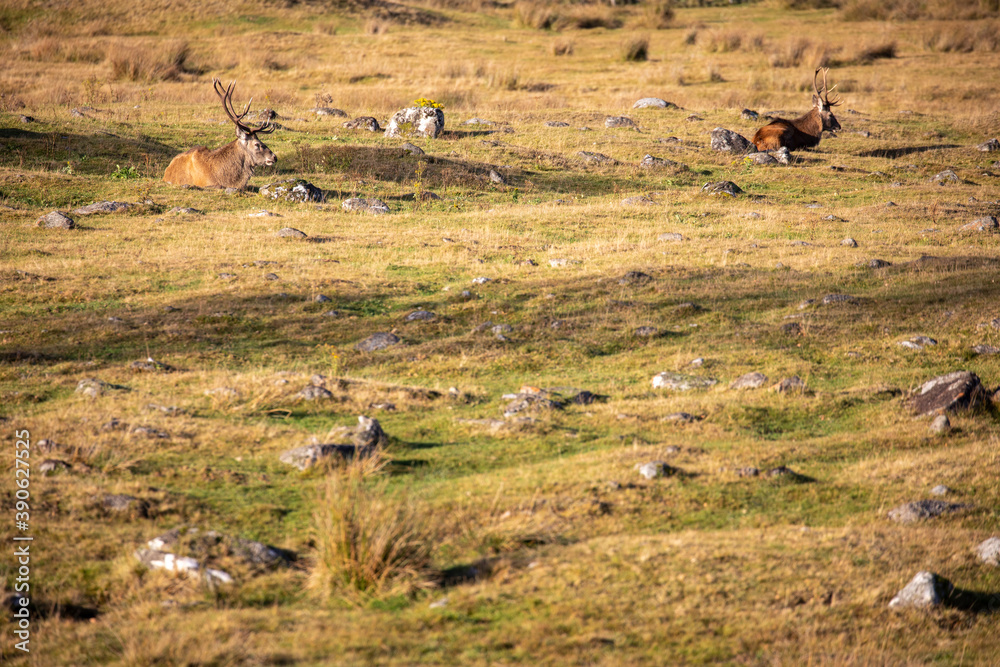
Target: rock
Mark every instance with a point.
(314, 392)
(586, 398)
(655, 469)
(227, 276)
(620, 121)
(184, 210)
(760, 158)
(646, 332)
(727, 188)
(681, 382)
(224, 392)
(92, 387)
(420, 315)
(369, 433)
(477, 121)
(985, 349)
(670, 236)
(849, 242)
(327, 111)
(150, 365)
(650, 162)
(783, 155)
(53, 466)
(322, 298)
(263, 213)
(747, 114)
(989, 551)
(296, 190)
(926, 589)
(791, 329)
(640, 200)
(985, 224)
(946, 176)
(875, 264)
(633, 278)
(412, 149)
(290, 233)
(596, 158)
(989, 146)
(363, 123)
(789, 385)
(26, 119)
(555, 123)
(416, 122)
(960, 390)
(55, 220)
(830, 299)
(923, 509)
(378, 341)
(529, 401)
(918, 343)
(653, 103)
(125, 503)
(102, 207)
(941, 425)
(752, 380)
(683, 417)
(727, 141)
(373, 206)
(941, 490)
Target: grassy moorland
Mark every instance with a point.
(500, 540)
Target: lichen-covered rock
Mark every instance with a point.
(102, 207)
(653, 103)
(923, 509)
(363, 123)
(651, 162)
(328, 111)
(990, 146)
(960, 390)
(985, 224)
(727, 141)
(749, 381)
(308, 456)
(596, 158)
(378, 341)
(55, 220)
(681, 382)
(655, 469)
(416, 122)
(620, 121)
(290, 233)
(725, 188)
(296, 190)
(989, 551)
(760, 158)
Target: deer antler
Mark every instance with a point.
(227, 104)
(826, 95)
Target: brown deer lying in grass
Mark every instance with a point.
(230, 166)
(804, 131)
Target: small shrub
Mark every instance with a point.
(127, 172)
(636, 49)
(368, 543)
(167, 62)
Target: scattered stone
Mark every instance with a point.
(184, 210)
(555, 123)
(926, 589)
(26, 119)
(225, 392)
(849, 242)
(529, 401)
(52, 466)
(558, 263)
(640, 200)
(478, 121)
(412, 149)
(363, 123)
(92, 387)
(727, 188)
(985, 349)
(55, 220)
(497, 177)
(681, 382)
(290, 233)
(263, 213)
(271, 276)
(646, 332)
(786, 473)
(296, 190)
(327, 111)
(586, 398)
(985, 224)
(420, 315)
(150, 365)
(308, 456)
(788, 385)
(941, 489)
(749, 471)
(653, 103)
(760, 158)
(620, 121)
(989, 146)
(125, 503)
(875, 264)
(752, 380)
(783, 155)
(830, 299)
(989, 550)
(322, 298)
(670, 236)
(596, 158)
(655, 469)
(918, 343)
(369, 433)
(960, 390)
(923, 509)
(727, 141)
(791, 329)
(227, 276)
(747, 114)
(314, 392)
(806, 303)
(501, 329)
(480, 280)
(149, 432)
(416, 122)
(683, 417)
(373, 206)
(650, 162)
(634, 278)
(102, 207)
(378, 341)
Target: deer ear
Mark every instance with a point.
(242, 134)
(817, 102)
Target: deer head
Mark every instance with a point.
(823, 103)
(254, 148)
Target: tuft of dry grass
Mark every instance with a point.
(635, 49)
(562, 47)
(655, 15)
(163, 62)
(965, 38)
(368, 543)
(869, 54)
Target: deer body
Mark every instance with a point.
(230, 166)
(804, 131)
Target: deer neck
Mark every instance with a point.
(234, 163)
(810, 123)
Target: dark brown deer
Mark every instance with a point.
(804, 131)
(230, 166)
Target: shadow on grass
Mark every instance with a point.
(893, 153)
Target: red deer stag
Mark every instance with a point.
(804, 131)
(230, 166)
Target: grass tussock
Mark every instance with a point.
(869, 54)
(655, 15)
(801, 52)
(562, 47)
(546, 16)
(913, 10)
(368, 543)
(164, 62)
(636, 50)
(965, 38)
